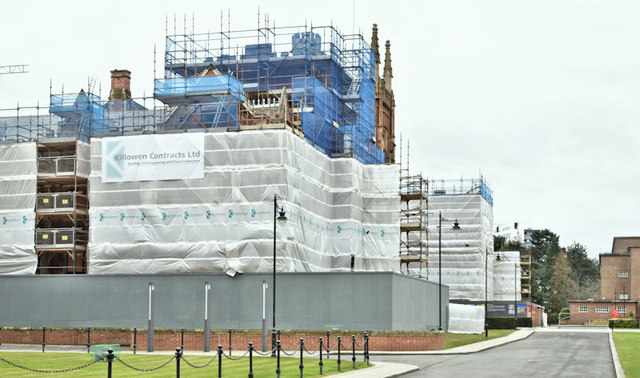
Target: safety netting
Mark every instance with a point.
(467, 252)
(338, 210)
(18, 178)
(465, 318)
(506, 276)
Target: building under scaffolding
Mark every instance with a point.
(467, 253)
(313, 87)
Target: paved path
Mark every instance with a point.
(575, 352)
(547, 352)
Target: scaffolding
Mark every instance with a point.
(525, 275)
(328, 76)
(62, 207)
(439, 187)
(312, 80)
(414, 224)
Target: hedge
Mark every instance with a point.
(624, 323)
(552, 318)
(507, 322)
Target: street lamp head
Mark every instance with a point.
(282, 218)
(456, 226)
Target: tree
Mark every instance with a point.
(562, 284)
(585, 270)
(544, 249)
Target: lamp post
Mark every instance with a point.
(456, 228)
(282, 219)
(486, 311)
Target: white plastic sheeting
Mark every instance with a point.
(466, 318)
(466, 251)
(83, 156)
(224, 222)
(506, 279)
(18, 178)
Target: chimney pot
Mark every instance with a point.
(120, 85)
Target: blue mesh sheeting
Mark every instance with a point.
(180, 87)
(485, 192)
(320, 111)
(82, 114)
(212, 112)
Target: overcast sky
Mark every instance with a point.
(542, 97)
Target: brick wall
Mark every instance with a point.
(610, 283)
(580, 318)
(633, 284)
(194, 340)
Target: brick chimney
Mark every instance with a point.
(120, 85)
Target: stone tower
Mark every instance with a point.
(384, 100)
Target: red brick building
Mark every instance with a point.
(619, 284)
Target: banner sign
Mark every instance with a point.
(153, 157)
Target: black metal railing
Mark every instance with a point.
(320, 347)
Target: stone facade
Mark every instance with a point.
(384, 100)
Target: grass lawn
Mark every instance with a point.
(453, 340)
(262, 366)
(628, 347)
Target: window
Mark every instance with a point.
(582, 309)
(602, 309)
(622, 309)
(623, 274)
(624, 296)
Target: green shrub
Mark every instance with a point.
(525, 322)
(501, 323)
(552, 318)
(507, 322)
(624, 323)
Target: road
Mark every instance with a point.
(577, 352)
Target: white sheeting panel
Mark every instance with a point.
(224, 222)
(464, 251)
(18, 177)
(466, 318)
(506, 280)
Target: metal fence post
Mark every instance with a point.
(109, 361)
(88, 340)
(320, 349)
(328, 342)
(250, 360)
(178, 355)
(278, 358)
(0, 337)
(230, 332)
(135, 339)
(44, 330)
(339, 341)
(219, 361)
(365, 348)
(181, 338)
(301, 353)
(353, 348)
(273, 342)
